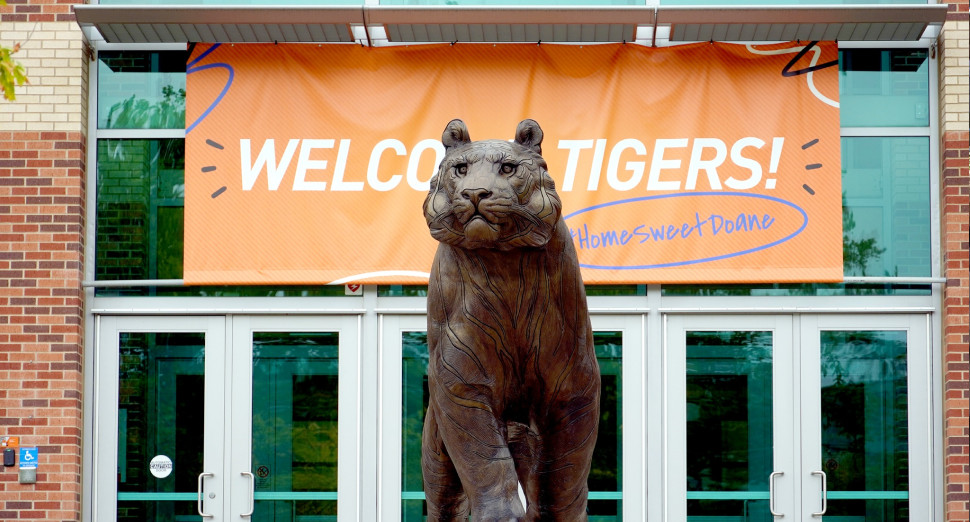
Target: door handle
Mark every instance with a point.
(202, 477)
(825, 494)
(771, 493)
(252, 493)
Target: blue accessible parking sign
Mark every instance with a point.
(28, 458)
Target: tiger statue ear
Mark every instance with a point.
(456, 134)
(529, 135)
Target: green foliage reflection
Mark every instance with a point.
(139, 113)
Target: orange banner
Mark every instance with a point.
(702, 163)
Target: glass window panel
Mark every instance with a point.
(606, 474)
(135, 179)
(141, 90)
(591, 290)
(231, 2)
(169, 243)
(402, 290)
(414, 375)
(864, 425)
(226, 291)
(884, 87)
(886, 206)
(512, 2)
(785, 2)
(160, 412)
(729, 425)
(612, 290)
(295, 425)
(796, 289)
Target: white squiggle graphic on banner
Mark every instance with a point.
(383, 273)
(816, 53)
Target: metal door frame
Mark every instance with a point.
(797, 404)
(228, 405)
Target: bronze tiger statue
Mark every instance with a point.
(513, 378)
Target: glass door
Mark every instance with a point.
(294, 418)
(865, 383)
(616, 480)
(227, 418)
(159, 404)
(729, 422)
(832, 423)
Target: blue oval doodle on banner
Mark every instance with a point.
(695, 194)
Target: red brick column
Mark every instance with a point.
(41, 318)
(42, 145)
(955, 209)
(955, 202)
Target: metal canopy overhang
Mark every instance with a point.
(797, 22)
(178, 24)
(381, 25)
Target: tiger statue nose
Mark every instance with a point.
(476, 195)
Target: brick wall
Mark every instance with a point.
(954, 49)
(42, 140)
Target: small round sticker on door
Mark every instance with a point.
(160, 466)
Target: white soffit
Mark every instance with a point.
(563, 24)
(177, 24)
(797, 22)
(510, 23)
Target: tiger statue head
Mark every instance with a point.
(492, 193)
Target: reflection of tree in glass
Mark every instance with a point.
(299, 428)
(864, 410)
(856, 253)
(139, 113)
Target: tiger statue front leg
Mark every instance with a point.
(468, 472)
(467, 463)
